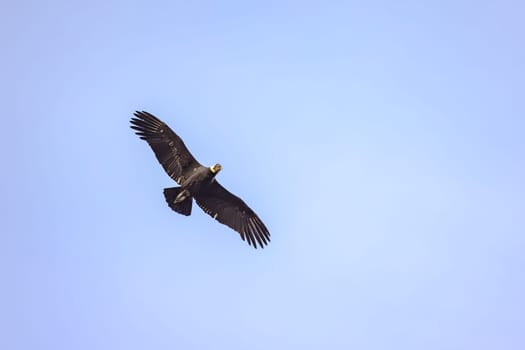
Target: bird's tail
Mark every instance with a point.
(183, 207)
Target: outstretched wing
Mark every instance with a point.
(168, 147)
(230, 210)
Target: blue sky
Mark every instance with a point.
(381, 142)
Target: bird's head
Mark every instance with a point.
(215, 168)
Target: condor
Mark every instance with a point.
(197, 182)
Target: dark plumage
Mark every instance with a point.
(197, 181)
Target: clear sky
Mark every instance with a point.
(382, 143)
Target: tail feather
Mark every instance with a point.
(183, 207)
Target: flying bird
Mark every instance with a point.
(197, 182)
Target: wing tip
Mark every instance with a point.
(146, 116)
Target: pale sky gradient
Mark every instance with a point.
(382, 143)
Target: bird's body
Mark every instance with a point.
(197, 182)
